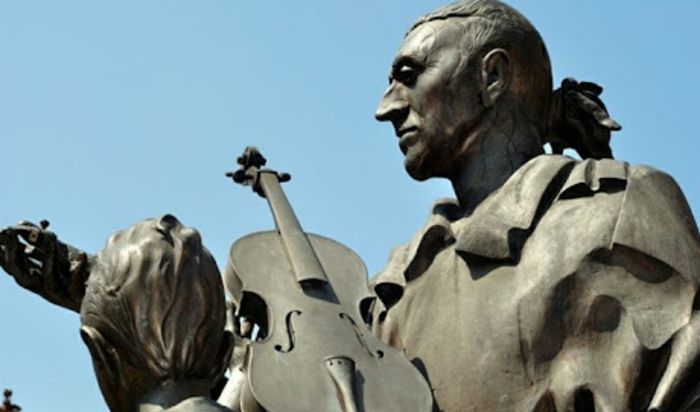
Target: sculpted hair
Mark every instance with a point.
(490, 24)
(156, 295)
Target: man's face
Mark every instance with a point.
(433, 99)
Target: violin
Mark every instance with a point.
(309, 297)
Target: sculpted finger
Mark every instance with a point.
(10, 247)
(25, 223)
(31, 280)
(22, 236)
(8, 240)
(17, 264)
(29, 233)
(40, 244)
(591, 87)
(28, 245)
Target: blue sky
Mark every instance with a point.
(111, 112)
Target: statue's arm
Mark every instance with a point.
(41, 263)
(656, 220)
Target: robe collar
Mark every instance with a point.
(499, 227)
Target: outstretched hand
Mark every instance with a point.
(39, 262)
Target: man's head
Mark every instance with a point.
(153, 313)
(457, 70)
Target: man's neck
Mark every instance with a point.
(171, 394)
(499, 151)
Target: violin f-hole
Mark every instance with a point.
(290, 332)
(361, 337)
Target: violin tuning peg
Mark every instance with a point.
(240, 176)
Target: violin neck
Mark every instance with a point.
(303, 259)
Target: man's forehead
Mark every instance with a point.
(428, 38)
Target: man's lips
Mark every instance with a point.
(407, 136)
(401, 132)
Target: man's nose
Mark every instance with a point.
(392, 105)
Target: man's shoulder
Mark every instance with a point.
(548, 179)
(655, 219)
(648, 211)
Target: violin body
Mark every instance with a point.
(288, 369)
(309, 297)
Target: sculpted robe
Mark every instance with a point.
(566, 289)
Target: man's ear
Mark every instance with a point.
(495, 76)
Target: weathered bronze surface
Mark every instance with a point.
(547, 284)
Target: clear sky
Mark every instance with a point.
(111, 112)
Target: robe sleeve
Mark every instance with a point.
(655, 220)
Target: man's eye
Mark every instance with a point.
(406, 75)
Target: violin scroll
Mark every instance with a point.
(252, 164)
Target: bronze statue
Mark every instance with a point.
(7, 405)
(153, 319)
(549, 284)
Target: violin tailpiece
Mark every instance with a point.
(342, 371)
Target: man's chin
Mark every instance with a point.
(416, 169)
